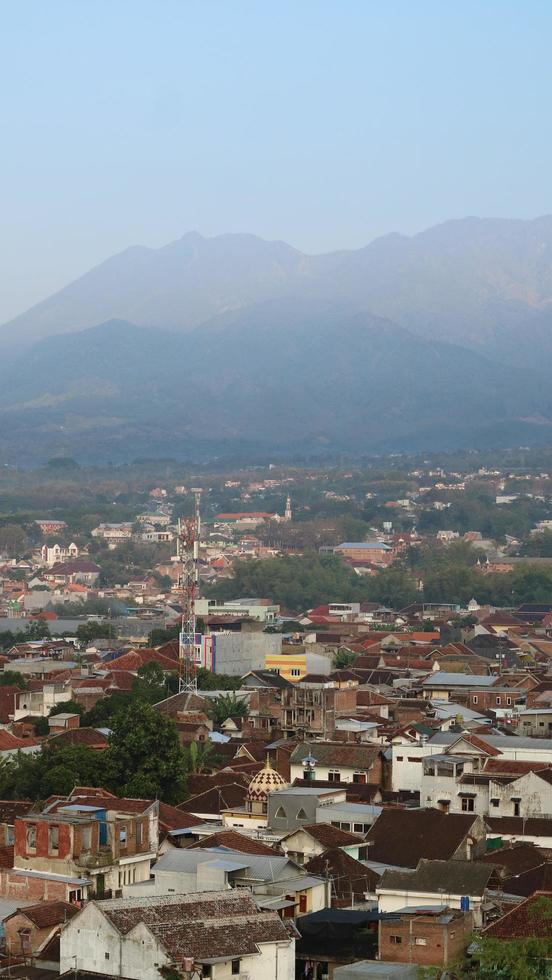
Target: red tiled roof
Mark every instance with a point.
(234, 841)
(527, 920)
(330, 836)
(47, 914)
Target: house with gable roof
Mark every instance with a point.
(218, 935)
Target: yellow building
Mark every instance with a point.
(295, 665)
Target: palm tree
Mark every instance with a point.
(200, 757)
(228, 706)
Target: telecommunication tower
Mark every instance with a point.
(187, 553)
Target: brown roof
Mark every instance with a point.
(527, 920)
(173, 818)
(234, 841)
(222, 797)
(349, 877)
(520, 826)
(200, 782)
(511, 767)
(205, 925)
(351, 756)
(403, 837)
(10, 809)
(330, 836)
(47, 914)
(79, 736)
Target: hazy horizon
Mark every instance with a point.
(318, 124)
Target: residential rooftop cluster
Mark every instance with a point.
(356, 785)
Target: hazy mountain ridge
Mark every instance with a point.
(282, 376)
(441, 339)
(457, 281)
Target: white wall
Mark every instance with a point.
(391, 900)
(88, 937)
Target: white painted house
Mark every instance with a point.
(222, 935)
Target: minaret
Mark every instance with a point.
(287, 514)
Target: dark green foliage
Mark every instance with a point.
(228, 706)
(152, 683)
(13, 677)
(344, 658)
(207, 681)
(93, 630)
(71, 707)
(146, 756)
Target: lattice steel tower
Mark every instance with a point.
(187, 545)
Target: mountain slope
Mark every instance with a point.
(483, 283)
(283, 376)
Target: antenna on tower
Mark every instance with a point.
(187, 553)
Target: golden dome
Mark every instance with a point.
(265, 782)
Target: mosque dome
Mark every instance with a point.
(265, 782)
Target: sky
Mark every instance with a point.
(321, 123)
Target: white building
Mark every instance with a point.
(271, 880)
(222, 935)
(58, 553)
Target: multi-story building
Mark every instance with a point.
(312, 709)
(77, 850)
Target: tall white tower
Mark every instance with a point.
(287, 514)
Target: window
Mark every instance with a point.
(280, 813)
(395, 940)
(468, 804)
(516, 808)
(106, 955)
(420, 941)
(474, 698)
(295, 672)
(53, 837)
(123, 836)
(334, 776)
(508, 700)
(138, 833)
(301, 815)
(358, 828)
(495, 802)
(345, 825)
(400, 758)
(359, 777)
(10, 836)
(86, 838)
(235, 967)
(31, 837)
(498, 699)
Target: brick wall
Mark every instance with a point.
(424, 940)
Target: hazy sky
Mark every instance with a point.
(322, 122)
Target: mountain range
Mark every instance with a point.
(238, 345)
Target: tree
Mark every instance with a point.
(208, 681)
(102, 713)
(94, 630)
(200, 757)
(152, 683)
(62, 463)
(13, 678)
(146, 755)
(53, 770)
(12, 539)
(344, 658)
(69, 707)
(227, 706)
(37, 630)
